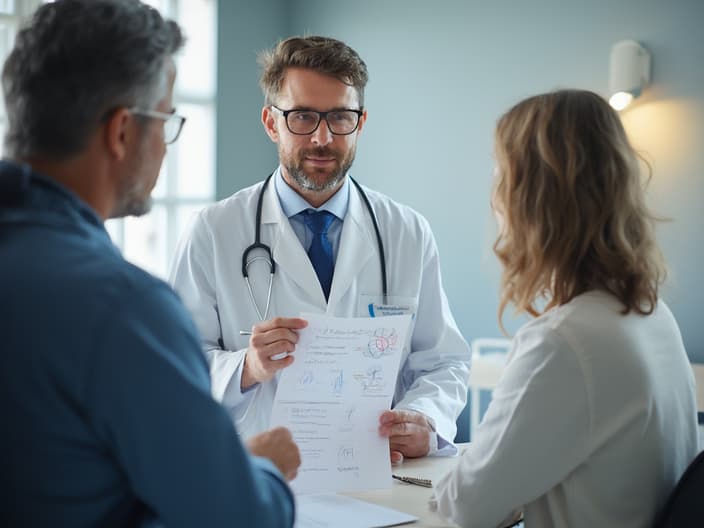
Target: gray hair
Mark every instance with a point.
(74, 63)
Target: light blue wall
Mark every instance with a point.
(441, 74)
(244, 153)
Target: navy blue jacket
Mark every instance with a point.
(107, 417)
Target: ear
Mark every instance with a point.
(362, 120)
(269, 122)
(117, 133)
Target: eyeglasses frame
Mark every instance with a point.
(164, 116)
(321, 116)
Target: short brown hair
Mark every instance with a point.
(574, 216)
(322, 54)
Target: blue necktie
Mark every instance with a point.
(320, 251)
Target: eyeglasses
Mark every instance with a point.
(173, 123)
(304, 122)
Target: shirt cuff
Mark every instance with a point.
(438, 446)
(443, 447)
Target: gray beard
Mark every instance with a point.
(305, 182)
(302, 179)
(132, 205)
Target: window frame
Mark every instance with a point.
(170, 200)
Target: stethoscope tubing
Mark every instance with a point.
(379, 241)
(258, 244)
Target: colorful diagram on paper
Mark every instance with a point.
(383, 342)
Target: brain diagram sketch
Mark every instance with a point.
(382, 343)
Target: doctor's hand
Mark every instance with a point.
(269, 338)
(278, 446)
(408, 433)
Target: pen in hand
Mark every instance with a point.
(275, 357)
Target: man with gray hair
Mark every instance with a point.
(104, 391)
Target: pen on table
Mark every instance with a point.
(275, 357)
(426, 483)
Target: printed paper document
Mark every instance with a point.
(342, 379)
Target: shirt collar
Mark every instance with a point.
(293, 203)
(21, 184)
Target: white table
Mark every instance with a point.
(410, 498)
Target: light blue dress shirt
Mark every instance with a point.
(293, 205)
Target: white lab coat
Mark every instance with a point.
(207, 273)
(591, 424)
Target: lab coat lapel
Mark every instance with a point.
(357, 245)
(289, 255)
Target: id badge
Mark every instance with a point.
(374, 306)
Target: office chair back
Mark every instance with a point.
(698, 369)
(685, 506)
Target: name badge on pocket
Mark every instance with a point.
(373, 306)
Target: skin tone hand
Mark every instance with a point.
(278, 446)
(269, 338)
(408, 433)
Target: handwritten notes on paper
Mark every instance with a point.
(342, 379)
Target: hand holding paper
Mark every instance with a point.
(269, 341)
(408, 433)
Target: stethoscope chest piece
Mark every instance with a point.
(246, 262)
(248, 258)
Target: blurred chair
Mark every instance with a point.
(684, 506)
(488, 360)
(698, 369)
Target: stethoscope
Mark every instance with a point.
(269, 259)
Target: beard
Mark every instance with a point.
(317, 179)
(134, 195)
(133, 204)
(135, 198)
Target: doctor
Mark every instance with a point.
(309, 239)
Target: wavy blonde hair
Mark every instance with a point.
(569, 194)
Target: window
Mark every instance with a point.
(187, 179)
(12, 13)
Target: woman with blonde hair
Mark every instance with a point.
(594, 419)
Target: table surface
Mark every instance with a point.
(410, 498)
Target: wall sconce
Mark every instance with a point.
(629, 72)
